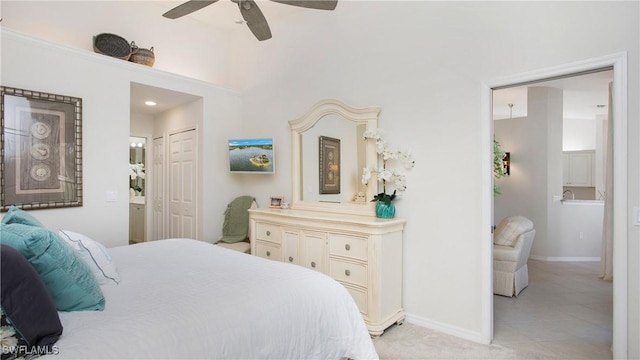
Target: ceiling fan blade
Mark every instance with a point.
(255, 19)
(311, 4)
(187, 8)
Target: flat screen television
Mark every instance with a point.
(252, 156)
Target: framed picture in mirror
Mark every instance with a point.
(329, 165)
(41, 150)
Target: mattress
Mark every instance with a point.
(188, 299)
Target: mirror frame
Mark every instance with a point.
(364, 116)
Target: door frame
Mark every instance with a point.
(148, 187)
(620, 210)
(158, 174)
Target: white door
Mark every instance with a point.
(182, 185)
(157, 203)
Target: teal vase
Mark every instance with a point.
(385, 211)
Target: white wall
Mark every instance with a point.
(424, 63)
(535, 145)
(577, 235)
(565, 231)
(182, 47)
(103, 84)
(141, 125)
(578, 134)
(559, 225)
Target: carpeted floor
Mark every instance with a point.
(408, 341)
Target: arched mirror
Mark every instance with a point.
(329, 153)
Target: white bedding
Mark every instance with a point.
(182, 298)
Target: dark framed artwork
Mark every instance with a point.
(329, 165)
(41, 150)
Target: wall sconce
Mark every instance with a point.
(506, 163)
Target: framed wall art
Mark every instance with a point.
(275, 201)
(329, 165)
(41, 150)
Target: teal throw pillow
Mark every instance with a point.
(19, 216)
(67, 277)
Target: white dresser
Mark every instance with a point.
(363, 253)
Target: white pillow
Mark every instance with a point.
(510, 228)
(95, 255)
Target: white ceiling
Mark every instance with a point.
(164, 99)
(582, 94)
(224, 14)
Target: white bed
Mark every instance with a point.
(182, 298)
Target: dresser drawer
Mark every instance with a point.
(359, 297)
(268, 251)
(268, 232)
(348, 246)
(348, 272)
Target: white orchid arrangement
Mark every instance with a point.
(136, 172)
(385, 174)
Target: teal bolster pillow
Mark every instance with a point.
(67, 277)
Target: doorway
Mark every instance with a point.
(618, 63)
(160, 114)
(137, 189)
(559, 136)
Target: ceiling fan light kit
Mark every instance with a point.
(250, 12)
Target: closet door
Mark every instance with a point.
(182, 185)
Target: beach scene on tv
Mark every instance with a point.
(251, 155)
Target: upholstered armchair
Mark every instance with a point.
(512, 242)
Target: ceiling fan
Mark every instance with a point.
(250, 12)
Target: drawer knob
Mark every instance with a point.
(313, 264)
(347, 272)
(268, 233)
(268, 253)
(347, 247)
(290, 258)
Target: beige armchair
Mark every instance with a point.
(512, 242)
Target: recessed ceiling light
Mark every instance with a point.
(150, 103)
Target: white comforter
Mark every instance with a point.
(182, 298)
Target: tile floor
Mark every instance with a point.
(565, 313)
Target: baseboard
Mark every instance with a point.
(445, 328)
(564, 258)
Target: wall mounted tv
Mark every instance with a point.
(254, 156)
